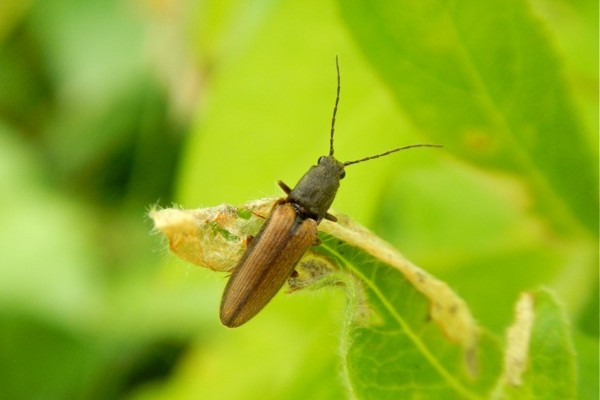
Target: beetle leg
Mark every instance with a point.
(277, 202)
(284, 187)
(330, 217)
(248, 240)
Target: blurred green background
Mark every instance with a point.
(110, 107)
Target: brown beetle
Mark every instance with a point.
(290, 229)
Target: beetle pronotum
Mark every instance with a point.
(290, 229)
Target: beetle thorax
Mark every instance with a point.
(316, 190)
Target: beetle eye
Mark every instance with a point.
(320, 159)
(343, 174)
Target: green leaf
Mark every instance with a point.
(481, 78)
(587, 365)
(540, 357)
(406, 331)
(407, 334)
(417, 337)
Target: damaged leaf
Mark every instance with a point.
(399, 316)
(539, 362)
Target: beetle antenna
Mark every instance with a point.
(337, 100)
(390, 152)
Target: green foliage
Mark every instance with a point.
(482, 79)
(109, 107)
(398, 350)
(406, 333)
(490, 87)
